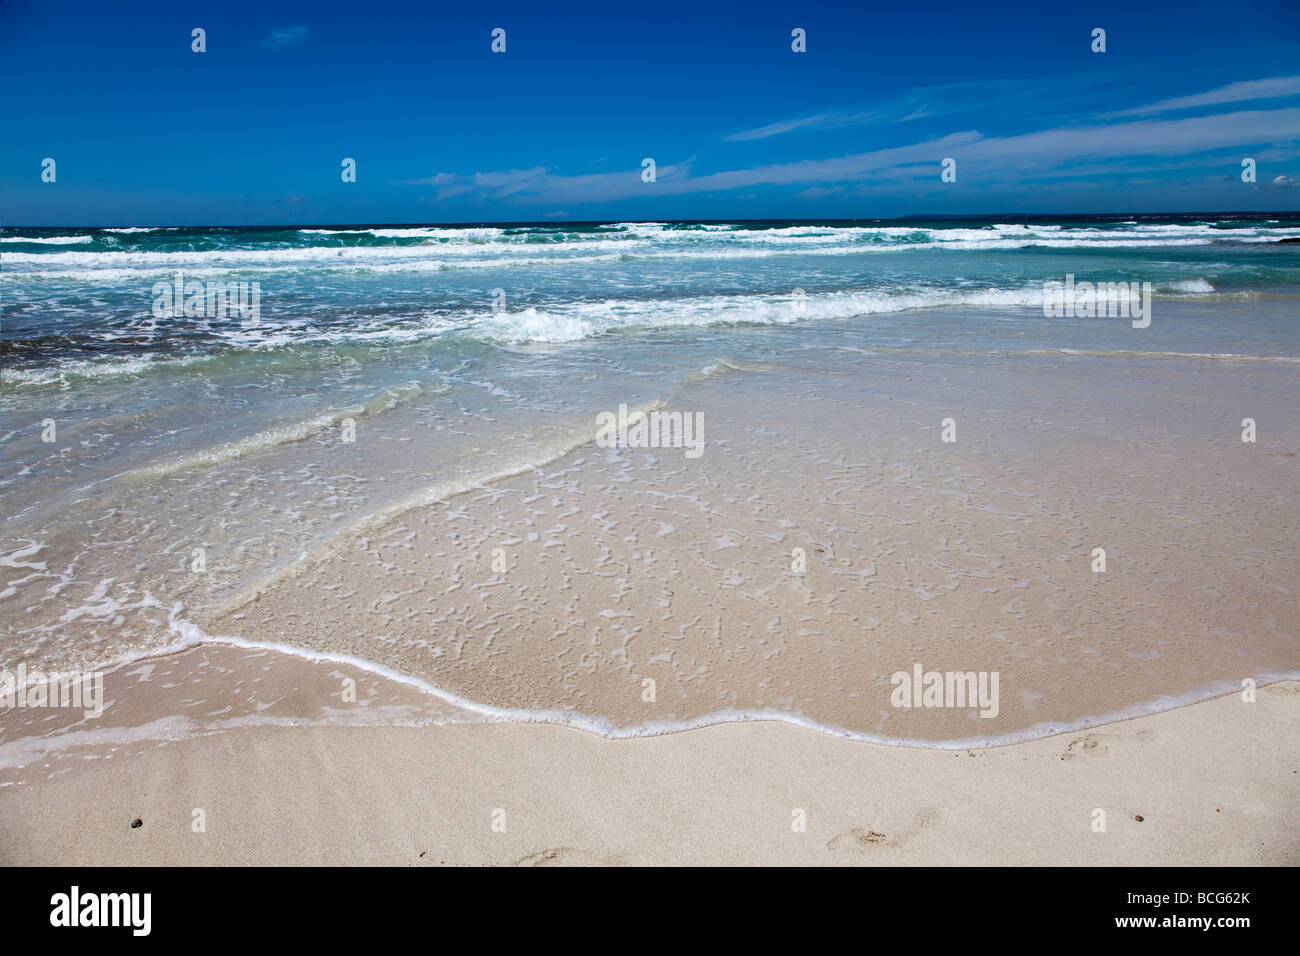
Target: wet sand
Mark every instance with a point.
(796, 566)
(479, 651)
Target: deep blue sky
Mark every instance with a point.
(145, 132)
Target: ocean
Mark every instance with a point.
(380, 442)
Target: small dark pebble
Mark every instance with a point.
(137, 823)
(1138, 818)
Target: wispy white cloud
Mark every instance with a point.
(1018, 96)
(281, 37)
(1130, 147)
(1242, 92)
(820, 121)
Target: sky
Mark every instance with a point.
(143, 130)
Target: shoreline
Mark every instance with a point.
(419, 677)
(463, 710)
(1214, 783)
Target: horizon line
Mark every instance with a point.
(714, 221)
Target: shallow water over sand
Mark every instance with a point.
(797, 564)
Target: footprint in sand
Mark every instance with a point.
(859, 836)
(863, 839)
(1086, 746)
(568, 856)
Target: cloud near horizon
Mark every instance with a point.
(1148, 145)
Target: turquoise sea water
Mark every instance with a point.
(79, 302)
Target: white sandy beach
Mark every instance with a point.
(1215, 783)
(386, 600)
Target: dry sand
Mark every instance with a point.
(1214, 783)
